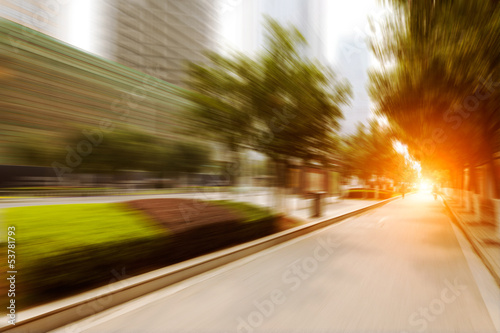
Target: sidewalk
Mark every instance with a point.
(483, 236)
(298, 207)
(333, 209)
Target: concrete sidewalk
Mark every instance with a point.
(482, 235)
(335, 208)
(299, 207)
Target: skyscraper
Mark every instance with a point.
(34, 14)
(160, 36)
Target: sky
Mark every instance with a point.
(350, 19)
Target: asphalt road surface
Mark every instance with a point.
(401, 268)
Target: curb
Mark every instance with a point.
(475, 243)
(66, 311)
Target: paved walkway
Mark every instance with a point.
(336, 208)
(484, 237)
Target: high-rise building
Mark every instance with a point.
(160, 36)
(40, 16)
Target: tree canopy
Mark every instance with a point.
(370, 152)
(279, 103)
(437, 84)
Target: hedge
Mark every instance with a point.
(369, 194)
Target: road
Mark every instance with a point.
(401, 268)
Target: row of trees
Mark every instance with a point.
(439, 85)
(90, 150)
(370, 153)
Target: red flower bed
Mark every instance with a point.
(180, 215)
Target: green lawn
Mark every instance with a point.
(61, 249)
(54, 228)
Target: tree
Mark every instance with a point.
(438, 92)
(186, 157)
(370, 152)
(279, 103)
(218, 93)
(220, 102)
(35, 150)
(297, 101)
(355, 156)
(125, 148)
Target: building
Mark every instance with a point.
(37, 15)
(50, 89)
(157, 37)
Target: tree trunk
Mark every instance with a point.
(271, 182)
(462, 176)
(494, 177)
(233, 169)
(475, 192)
(279, 185)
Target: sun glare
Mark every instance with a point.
(425, 185)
